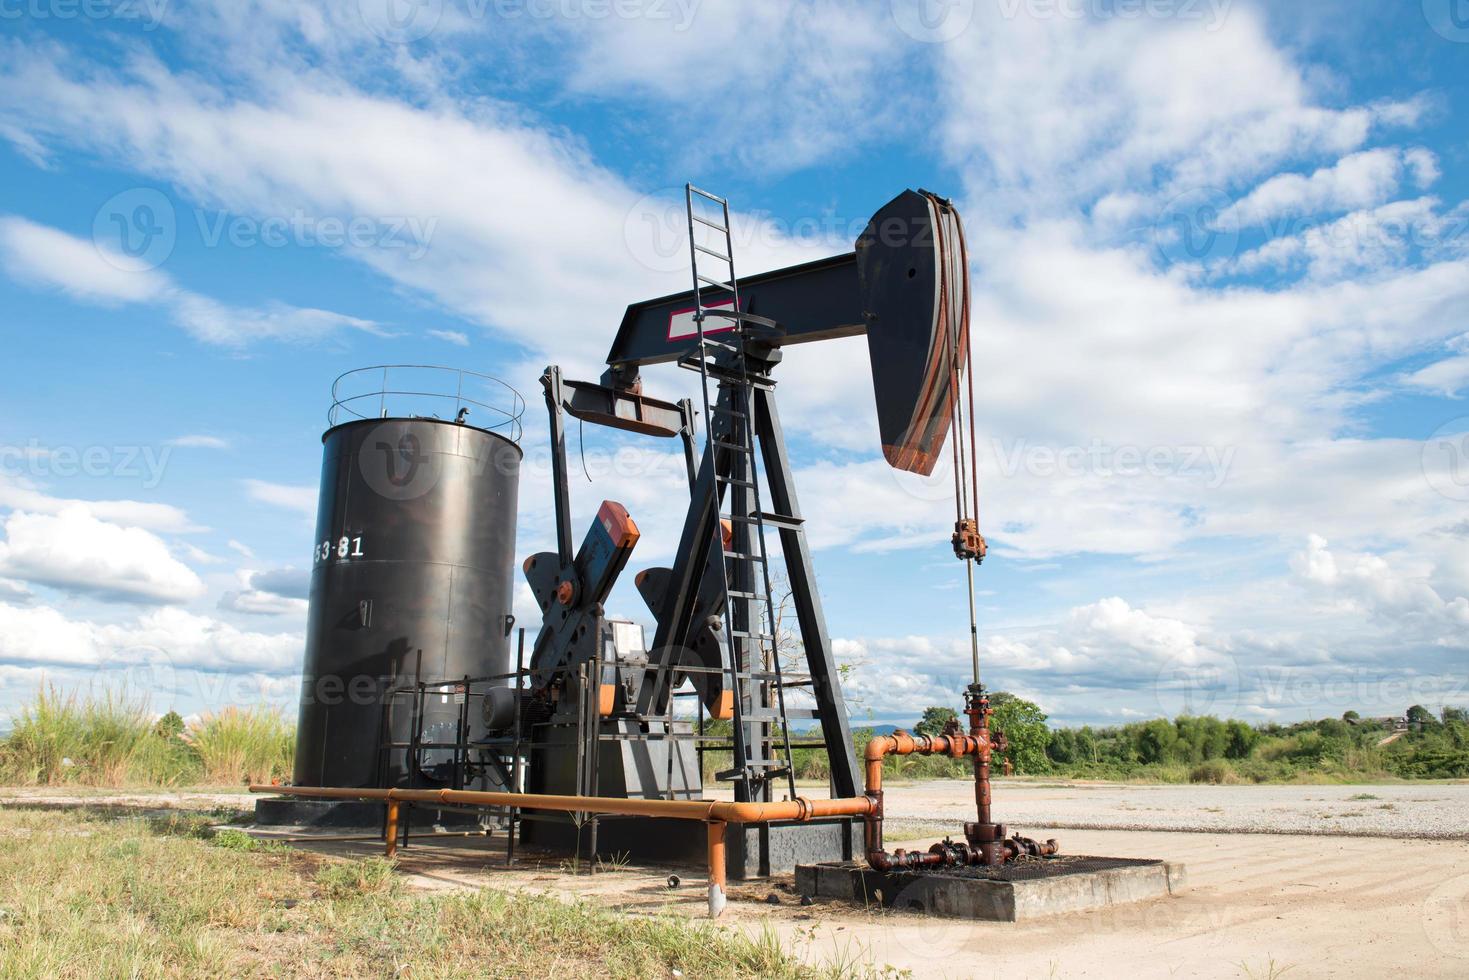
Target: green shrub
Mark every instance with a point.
(1215, 771)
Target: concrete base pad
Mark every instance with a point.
(1025, 889)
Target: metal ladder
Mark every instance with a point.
(749, 619)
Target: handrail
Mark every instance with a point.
(399, 402)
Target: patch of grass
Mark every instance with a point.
(89, 896)
(243, 745)
(110, 739)
(1364, 796)
(353, 879)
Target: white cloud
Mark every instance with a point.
(275, 592)
(456, 337)
(300, 499)
(75, 551)
(151, 516)
(289, 582)
(1368, 241)
(252, 602)
(199, 442)
(168, 637)
(1357, 181)
(332, 151)
(1448, 376)
(1042, 113)
(45, 256)
(38, 254)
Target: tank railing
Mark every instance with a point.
(389, 402)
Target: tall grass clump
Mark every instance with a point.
(62, 738)
(239, 745)
(44, 741)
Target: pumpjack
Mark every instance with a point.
(599, 713)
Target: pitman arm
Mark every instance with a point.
(571, 597)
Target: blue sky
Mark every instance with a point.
(1220, 266)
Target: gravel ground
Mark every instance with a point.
(1432, 810)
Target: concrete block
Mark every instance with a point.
(1025, 890)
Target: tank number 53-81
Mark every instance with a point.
(344, 547)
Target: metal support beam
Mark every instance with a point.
(836, 730)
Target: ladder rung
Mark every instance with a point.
(692, 362)
(742, 555)
(788, 521)
(751, 636)
(730, 481)
(705, 194)
(739, 447)
(737, 594)
(709, 251)
(721, 345)
(718, 283)
(712, 224)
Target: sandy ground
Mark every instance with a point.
(1257, 905)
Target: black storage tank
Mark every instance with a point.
(411, 579)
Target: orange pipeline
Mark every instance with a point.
(717, 814)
